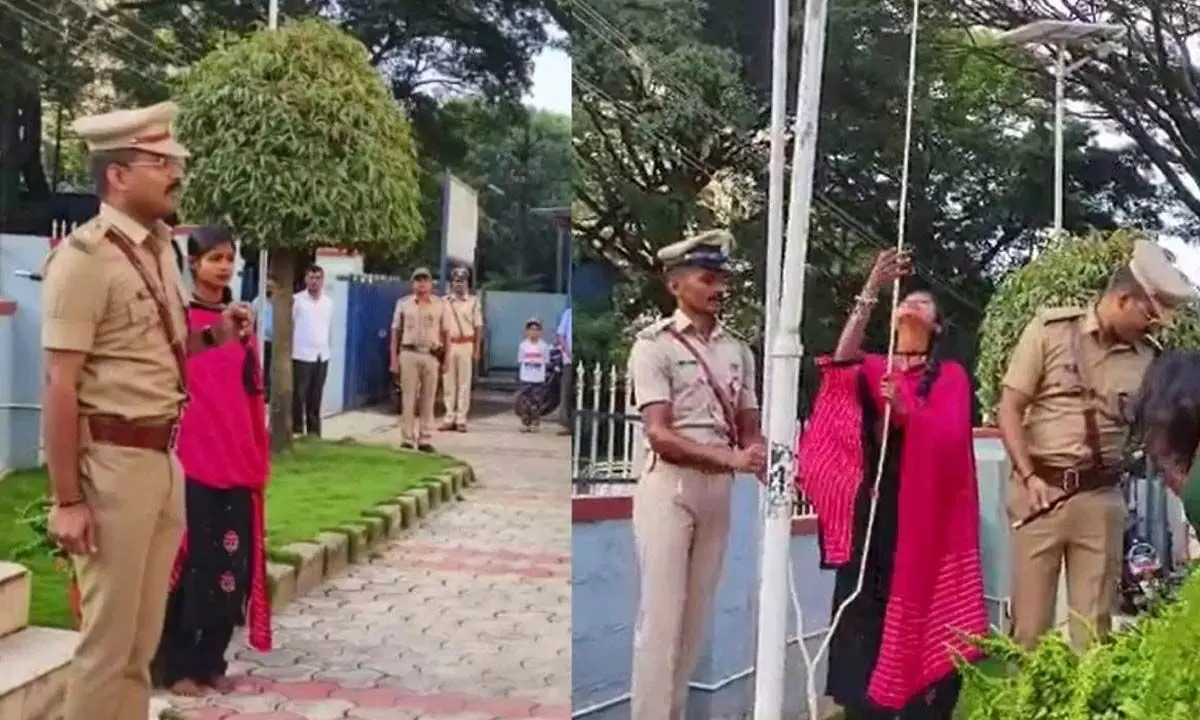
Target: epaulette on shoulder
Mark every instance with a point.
(653, 329)
(87, 237)
(1054, 315)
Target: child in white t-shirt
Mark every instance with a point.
(533, 361)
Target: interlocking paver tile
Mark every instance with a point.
(466, 617)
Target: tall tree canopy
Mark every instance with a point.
(128, 53)
(298, 144)
(982, 149)
(520, 162)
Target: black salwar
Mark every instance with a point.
(856, 642)
(209, 600)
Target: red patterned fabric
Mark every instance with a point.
(830, 458)
(223, 444)
(936, 600)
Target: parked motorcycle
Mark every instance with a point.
(1143, 580)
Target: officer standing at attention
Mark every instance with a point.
(693, 381)
(416, 348)
(463, 326)
(1062, 418)
(116, 341)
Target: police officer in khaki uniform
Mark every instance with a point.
(1061, 415)
(693, 381)
(463, 327)
(116, 341)
(416, 349)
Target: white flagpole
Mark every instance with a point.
(774, 269)
(786, 354)
(779, 45)
(272, 24)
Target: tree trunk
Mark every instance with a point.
(282, 263)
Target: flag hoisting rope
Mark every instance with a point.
(785, 356)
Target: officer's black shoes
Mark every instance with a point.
(426, 448)
(407, 446)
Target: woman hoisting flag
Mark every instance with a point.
(894, 650)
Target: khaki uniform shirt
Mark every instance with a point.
(95, 302)
(1043, 368)
(463, 316)
(419, 324)
(664, 371)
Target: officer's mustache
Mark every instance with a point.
(174, 186)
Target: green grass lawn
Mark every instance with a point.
(320, 485)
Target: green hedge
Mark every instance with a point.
(1072, 271)
(1151, 671)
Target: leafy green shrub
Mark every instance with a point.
(35, 516)
(1071, 271)
(1147, 672)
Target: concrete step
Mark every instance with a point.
(33, 673)
(14, 598)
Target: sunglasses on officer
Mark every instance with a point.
(161, 162)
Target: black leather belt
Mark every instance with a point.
(1073, 480)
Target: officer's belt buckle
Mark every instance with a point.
(1070, 480)
(173, 438)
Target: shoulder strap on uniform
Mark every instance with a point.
(160, 300)
(1055, 315)
(457, 319)
(1091, 428)
(727, 406)
(654, 328)
(87, 237)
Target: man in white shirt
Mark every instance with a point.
(312, 341)
(264, 312)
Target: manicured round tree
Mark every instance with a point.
(1072, 271)
(298, 144)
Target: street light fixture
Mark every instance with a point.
(1060, 34)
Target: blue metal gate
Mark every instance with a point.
(370, 300)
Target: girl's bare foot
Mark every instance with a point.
(187, 688)
(223, 684)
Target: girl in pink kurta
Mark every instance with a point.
(219, 581)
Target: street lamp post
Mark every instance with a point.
(272, 24)
(1060, 34)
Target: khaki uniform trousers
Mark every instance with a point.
(418, 390)
(456, 381)
(680, 524)
(137, 502)
(1087, 533)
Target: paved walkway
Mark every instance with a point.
(467, 617)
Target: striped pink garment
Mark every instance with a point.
(936, 602)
